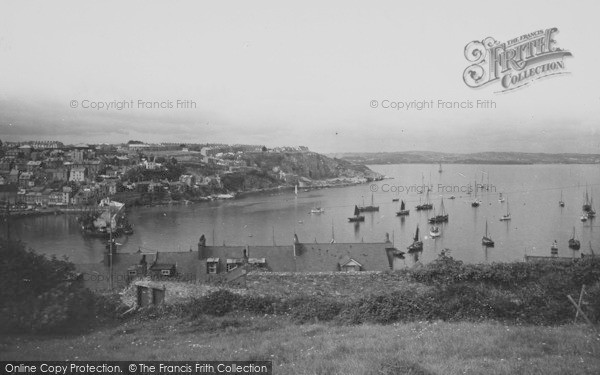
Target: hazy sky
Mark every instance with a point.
(292, 73)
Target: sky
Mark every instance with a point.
(291, 73)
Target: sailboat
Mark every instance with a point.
(421, 191)
(370, 208)
(586, 202)
(434, 230)
(591, 213)
(442, 217)
(403, 211)
(500, 198)
(357, 216)
(481, 185)
(425, 206)
(573, 243)
(440, 170)
(507, 215)
(416, 245)
(561, 202)
(296, 190)
(475, 203)
(487, 240)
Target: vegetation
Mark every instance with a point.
(44, 295)
(496, 318)
(511, 293)
(322, 348)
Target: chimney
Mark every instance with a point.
(144, 265)
(201, 246)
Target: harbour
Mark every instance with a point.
(532, 192)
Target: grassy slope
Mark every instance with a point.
(413, 348)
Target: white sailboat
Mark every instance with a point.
(507, 215)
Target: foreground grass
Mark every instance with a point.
(411, 348)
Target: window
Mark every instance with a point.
(231, 266)
(165, 272)
(212, 267)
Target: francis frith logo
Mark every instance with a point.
(515, 63)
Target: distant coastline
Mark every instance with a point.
(427, 157)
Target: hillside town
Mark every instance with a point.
(46, 176)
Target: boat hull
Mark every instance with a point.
(439, 219)
(356, 219)
(486, 241)
(416, 246)
(368, 209)
(574, 244)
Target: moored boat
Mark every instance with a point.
(573, 242)
(506, 216)
(403, 211)
(357, 216)
(561, 203)
(591, 212)
(487, 240)
(370, 208)
(586, 202)
(425, 206)
(476, 202)
(416, 245)
(442, 217)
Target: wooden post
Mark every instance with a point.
(579, 303)
(580, 311)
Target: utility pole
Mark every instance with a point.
(110, 246)
(7, 205)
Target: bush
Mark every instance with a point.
(44, 295)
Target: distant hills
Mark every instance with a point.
(427, 157)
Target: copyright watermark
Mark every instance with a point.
(438, 189)
(132, 104)
(432, 104)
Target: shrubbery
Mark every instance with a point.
(531, 293)
(43, 295)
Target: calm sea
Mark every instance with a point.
(532, 193)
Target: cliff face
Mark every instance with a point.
(310, 165)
